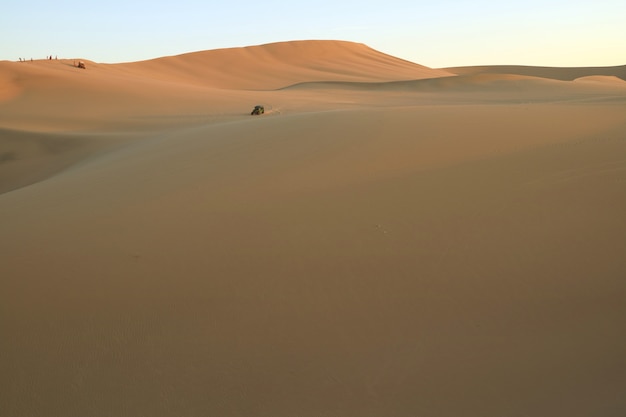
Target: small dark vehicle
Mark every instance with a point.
(257, 110)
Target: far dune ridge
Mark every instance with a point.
(556, 73)
(608, 79)
(386, 240)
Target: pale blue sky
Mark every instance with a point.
(436, 33)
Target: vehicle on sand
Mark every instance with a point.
(258, 110)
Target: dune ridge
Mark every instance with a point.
(387, 240)
(556, 73)
(280, 64)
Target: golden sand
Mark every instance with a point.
(387, 240)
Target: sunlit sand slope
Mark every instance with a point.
(384, 241)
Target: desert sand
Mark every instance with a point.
(387, 240)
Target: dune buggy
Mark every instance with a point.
(257, 110)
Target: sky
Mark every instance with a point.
(435, 33)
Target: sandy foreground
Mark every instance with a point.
(387, 240)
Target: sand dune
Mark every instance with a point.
(388, 240)
(486, 88)
(279, 65)
(563, 74)
(608, 79)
